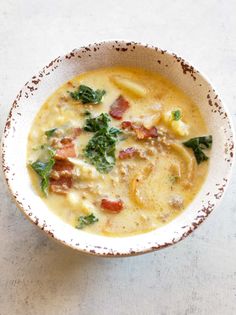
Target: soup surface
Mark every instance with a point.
(118, 151)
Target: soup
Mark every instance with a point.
(118, 151)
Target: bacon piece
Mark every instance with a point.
(66, 140)
(112, 206)
(61, 168)
(61, 177)
(68, 150)
(127, 153)
(145, 133)
(76, 132)
(126, 124)
(118, 108)
(61, 185)
(140, 131)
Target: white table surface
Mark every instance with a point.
(39, 276)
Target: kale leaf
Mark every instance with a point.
(86, 220)
(49, 133)
(176, 114)
(87, 95)
(97, 123)
(100, 150)
(199, 144)
(43, 169)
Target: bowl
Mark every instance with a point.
(113, 53)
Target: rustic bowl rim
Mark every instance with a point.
(92, 251)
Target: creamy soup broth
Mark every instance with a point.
(151, 176)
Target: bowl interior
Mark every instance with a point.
(35, 92)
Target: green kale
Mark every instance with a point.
(176, 114)
(87, 95)
(100, 150)
(86, 220)
(115, 131)
(86, 113)
(49, 133)
(97, 123)
(199, 144)
(43, 169)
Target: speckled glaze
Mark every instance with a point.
(104, 54)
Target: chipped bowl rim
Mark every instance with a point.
(110, 252)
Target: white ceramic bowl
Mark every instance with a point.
(35, 92)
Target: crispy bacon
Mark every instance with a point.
(112, 206)
(128, 153)
(145, 133)
(57, 140)
(61, 185)
(76, 132)
(61, 168)
(61, 177)
(126, 124)
(118, 108)
(68, 150)
(66, 140)
(140, 131)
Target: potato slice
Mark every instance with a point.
(78, 204)
(179, 127)
(190, 163)
(148, 121)
(134, 187)
(74, 200)
(167, 117)
(130, 86)
(84, 170)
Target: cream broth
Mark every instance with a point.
(154, 176)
